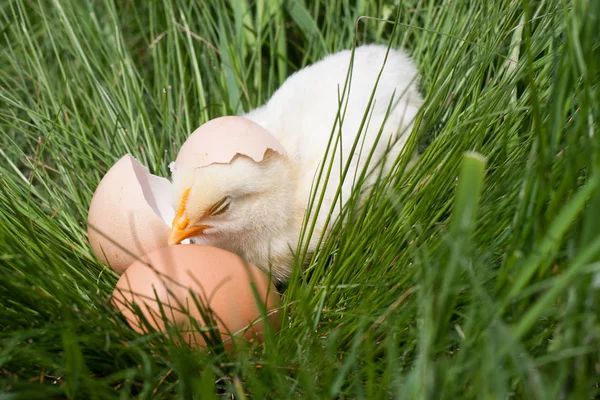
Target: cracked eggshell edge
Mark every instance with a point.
(220, 140)
(128, 216)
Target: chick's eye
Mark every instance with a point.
(219, 207)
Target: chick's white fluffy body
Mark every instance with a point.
(268, 199)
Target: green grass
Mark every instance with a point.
(473, 274)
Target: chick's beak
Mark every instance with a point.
(180, 228)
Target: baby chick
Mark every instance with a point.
(256, 209)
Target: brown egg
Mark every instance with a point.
(130, 214)
(220, 280)
(221, 139)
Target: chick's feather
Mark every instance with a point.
(302, 114)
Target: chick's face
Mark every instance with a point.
(225, 200)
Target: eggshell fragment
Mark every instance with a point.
(219, 279)
(130, 214)
(221, 139)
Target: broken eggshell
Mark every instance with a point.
(233, 289)
(130, 214)
(219, 140)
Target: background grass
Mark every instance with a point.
(469, 276)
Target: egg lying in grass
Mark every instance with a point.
(130, 214)
(228, 294)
